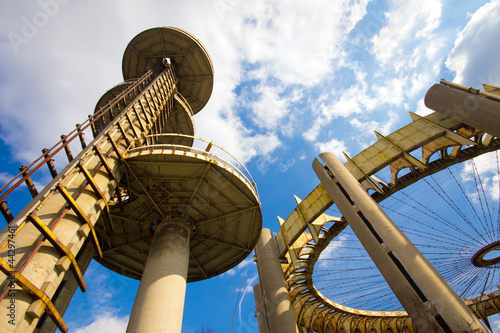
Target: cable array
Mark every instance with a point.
(449, 216)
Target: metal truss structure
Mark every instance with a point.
(305, 234)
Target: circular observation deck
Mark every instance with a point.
(106, 100)
(169, 180)
(193, 67)
(180, 118)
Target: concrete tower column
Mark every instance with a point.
(431, 303)
(159, 304)
(260, 312)
(279, 312)
(471, 109)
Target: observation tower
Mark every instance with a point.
(146, 198)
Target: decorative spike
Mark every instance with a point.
(281, 221)
(491, 89)
(297, 199)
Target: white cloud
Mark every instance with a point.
(404, 67)
(296, 42)
(246, 262)
(240, 266)
(471, 57)
(282, 50)
(5, 177)
(50, 83)
(269, 108)
(373, 125)
(422, 110)
(334, 146)
(108, 323)
(227, 130)
(248, 288)
(407, 21)
(231, 272)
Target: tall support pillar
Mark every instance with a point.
(431, 303)
(279, 312)
(159, 304)
(260, 312)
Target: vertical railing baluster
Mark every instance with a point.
(50, 163)
(66, 148)
(28, 181)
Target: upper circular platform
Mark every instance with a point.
(180, 119)
(105, 99)
(211, 194)
(193, 67)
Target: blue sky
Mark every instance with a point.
(292, 79)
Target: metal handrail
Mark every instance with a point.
(470, 90)
(247, 177)
(10, 186)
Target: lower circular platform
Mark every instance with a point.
(215, 197)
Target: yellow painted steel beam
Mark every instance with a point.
(143, 188)
(72, 203)
(368, 179)
(99, 193)
(290, 250)
(307, 211)
(104, 162)
(115, 147)
(52, 238)
(302, 214)
(406, 155)
(449, 134)
(35, 293)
